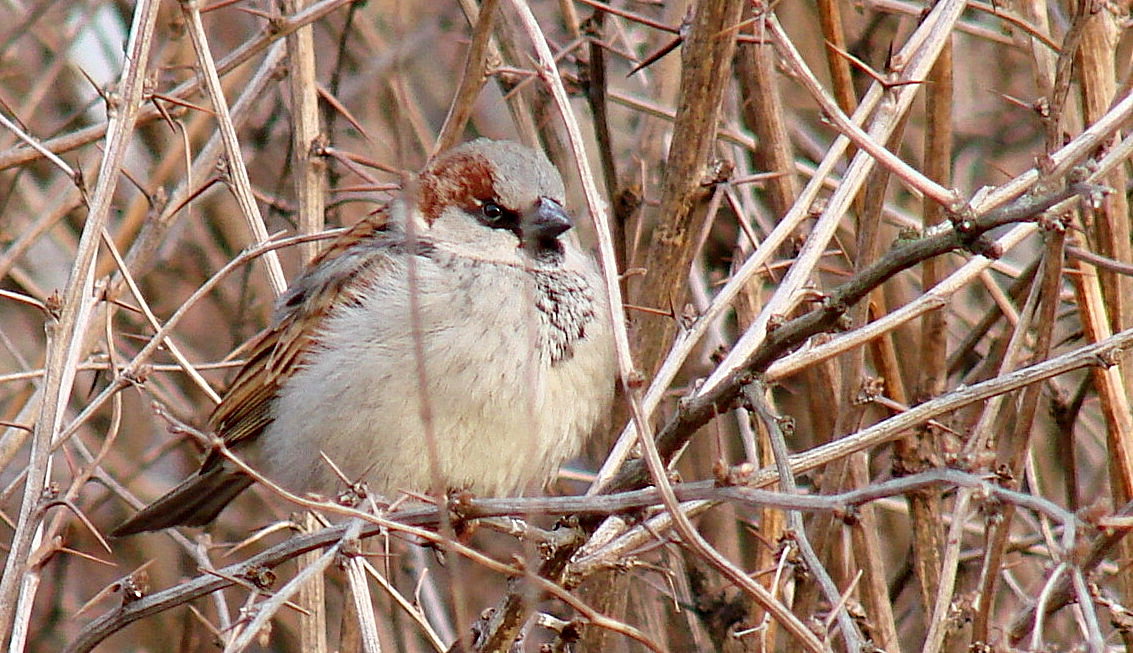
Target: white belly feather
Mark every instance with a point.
(488, 390)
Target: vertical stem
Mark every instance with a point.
(705, 55)
(306, 133)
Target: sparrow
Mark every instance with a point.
(461, 311)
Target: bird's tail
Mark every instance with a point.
(195, 502)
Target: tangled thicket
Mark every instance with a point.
(875, 260)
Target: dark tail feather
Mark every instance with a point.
(195, 502)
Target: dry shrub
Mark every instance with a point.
(933, 303)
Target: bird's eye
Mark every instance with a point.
(492, 211)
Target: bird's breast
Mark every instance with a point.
(491, 361)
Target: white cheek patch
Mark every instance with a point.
(459, 233)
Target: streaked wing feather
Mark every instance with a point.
(278, 351)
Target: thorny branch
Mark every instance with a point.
(965, 234)
(409, 520)
(1068, 65)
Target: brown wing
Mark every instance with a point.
(276, 352)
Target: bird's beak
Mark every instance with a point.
(545, 221)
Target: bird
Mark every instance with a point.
(461, 311)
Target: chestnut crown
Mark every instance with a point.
(498, 186)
